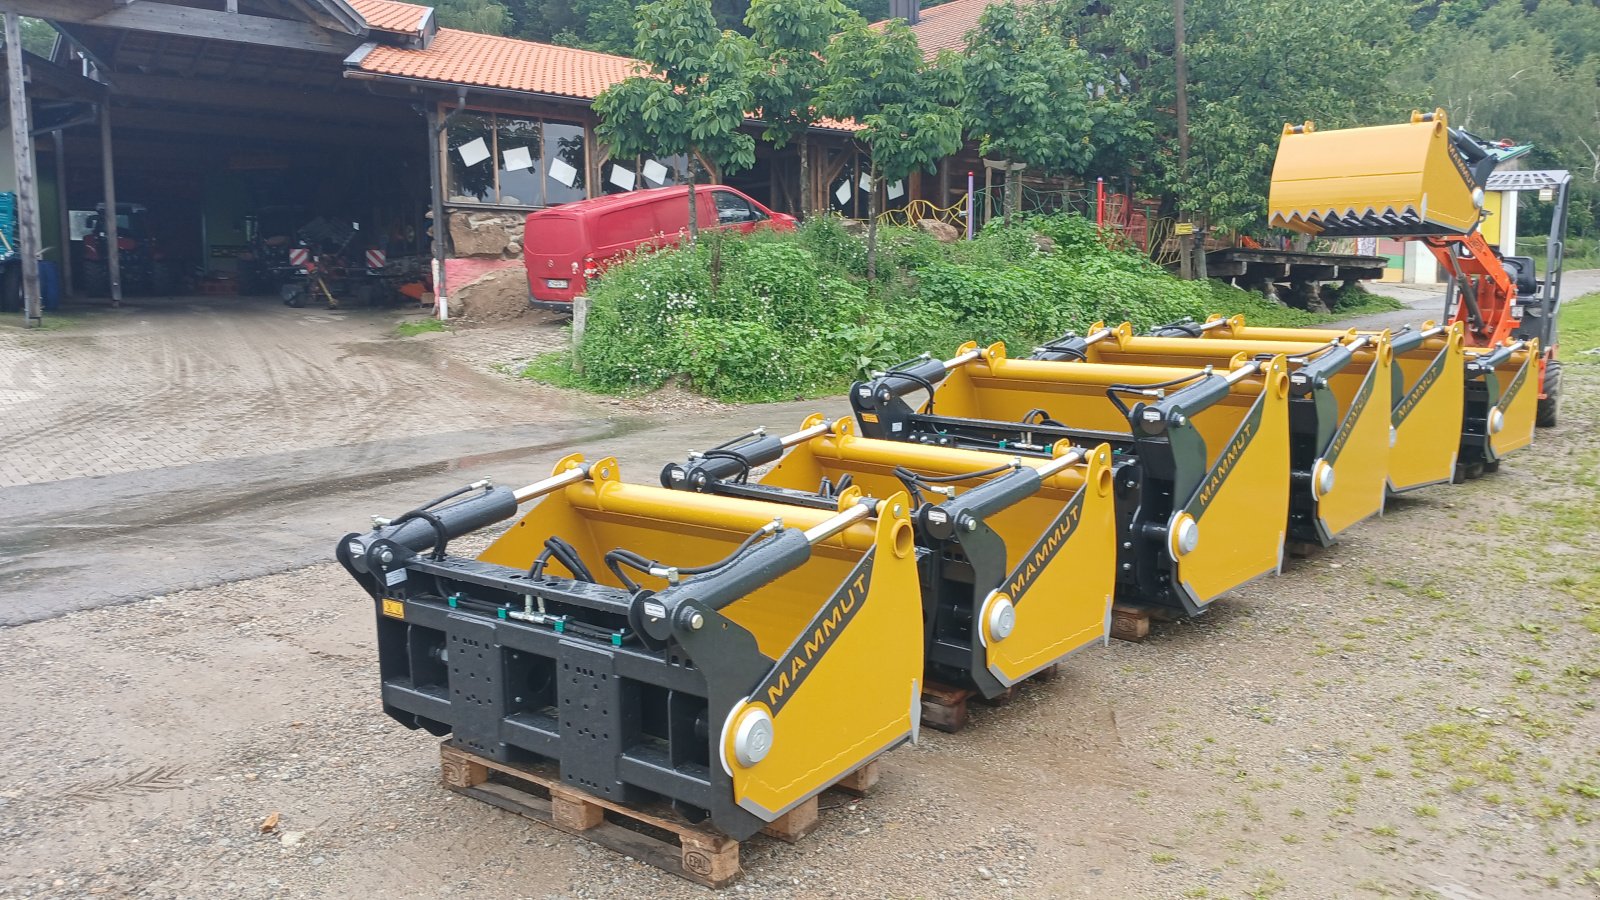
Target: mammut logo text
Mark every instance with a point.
(808, 649)
(1420, 389)
(1357, 407)
(1228, 459)
(1045, 550)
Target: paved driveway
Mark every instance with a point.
(175, 382)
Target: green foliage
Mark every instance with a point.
(905, 108)
(38, 37)
(1526, 71)
(694, 98)
(1580, 330)
(1030, 96)
(878, 77)
(1253, 64)
(789, 37)
(419, 326)
(484, 16)
(776, 316)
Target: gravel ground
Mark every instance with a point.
(1410, 714)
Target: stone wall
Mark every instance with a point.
(486, 233)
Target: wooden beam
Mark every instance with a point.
(161, 18)
(342, 106)
(28, 239)
(64, 232)
(244, 126)
(108, 173)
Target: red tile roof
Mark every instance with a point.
(465, 57)
(482, 60)
(945, 27)
(391, 15)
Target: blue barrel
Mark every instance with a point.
(49, 285)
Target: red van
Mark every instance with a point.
(564, 246)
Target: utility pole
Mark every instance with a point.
(28, 238)
(108, 175)
(1185, 228)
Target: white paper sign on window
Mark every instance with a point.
(896, 190)
(655, 172)
(866, 182)
(474, 151)
(842, 194)
(622, 178)
(562, 171)
(516, 159)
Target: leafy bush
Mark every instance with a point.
(775, 316)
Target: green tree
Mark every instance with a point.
(38, 36)
(1031, 96)
(787, 71)
(692, 97)
(904, 108)
(483, 16)
(1253, 64)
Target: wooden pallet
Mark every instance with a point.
(1130, 622)
(657, 836)
(944, 707)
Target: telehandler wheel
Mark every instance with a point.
(1550, 407)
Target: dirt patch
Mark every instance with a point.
(497, 296)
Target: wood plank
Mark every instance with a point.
(1130, 623)
(694, 852)
(198, 23)
(862, 781)
(944, 708)
(796, 823)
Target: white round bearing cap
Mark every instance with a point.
(1000, 616)
(1497, 421)
(1322, 478)
(752, 738)
(1184, 535)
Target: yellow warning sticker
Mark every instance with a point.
(394, 608)
(869, 417)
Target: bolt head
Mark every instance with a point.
(697, 622)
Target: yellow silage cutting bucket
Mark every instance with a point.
(1200, 455)
(1339, 390)
(732, 656)
(1020, 550)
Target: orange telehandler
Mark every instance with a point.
(1423, 180)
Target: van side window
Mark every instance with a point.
(733, 209)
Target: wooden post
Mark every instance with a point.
(27, 177)
(1181, 66)
(580, 321)
(64, 211)
(108, 173)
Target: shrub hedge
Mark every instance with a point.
(777, 316)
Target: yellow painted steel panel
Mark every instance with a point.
(1428, 418)
(1409, 172)
(1519, 400)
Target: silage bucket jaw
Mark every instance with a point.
(1412, 179)
(729, 656)
(1017, 551)
(1502, 393)
(1339, 399)
(1206, 443)
(1427, 399)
